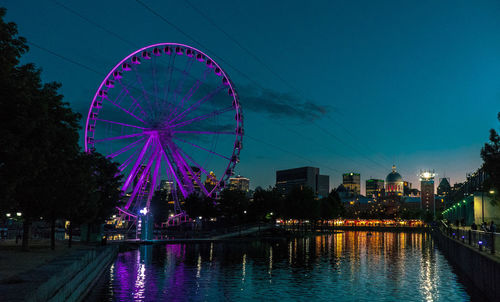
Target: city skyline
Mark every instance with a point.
(346, 67)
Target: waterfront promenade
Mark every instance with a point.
(474, 255)
(44, 275)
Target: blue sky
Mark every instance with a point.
(345, 85)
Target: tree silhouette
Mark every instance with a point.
(39, 132)
(491, 157)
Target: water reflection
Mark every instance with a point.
(344, 266)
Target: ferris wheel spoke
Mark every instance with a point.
(204, 132)
(191, 160)
(186, 165)
(182, 80)
(142, 178)
(199, 147)
(197, 104)
(190, 93)
(135, 168)
(118, 123)
(119, 137)
(155, 84)
(135, 102)
(183, 171)
(144, 91)
(170, 69)
(125, 110)
(126, 148)
(202, 117)
(172, 172)
(127, 162)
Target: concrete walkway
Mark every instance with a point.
(243, 232)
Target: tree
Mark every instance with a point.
(300, 203)
(265, 202)
(159, 206)
(38, 134)
(490, 154)
(95, 190)
(233, 204)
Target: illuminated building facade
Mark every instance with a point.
(374, 187)
(210, 181)
(304, 176)
(352, 182)
(427, 191)
(166, 185)
(394, 185)
(239, 183)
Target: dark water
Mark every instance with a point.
(350, 266)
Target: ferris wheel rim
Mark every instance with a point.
(237, 107)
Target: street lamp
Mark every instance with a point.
(18, 214)
(8, 214)
(492, 191)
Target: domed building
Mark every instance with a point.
(394, 185)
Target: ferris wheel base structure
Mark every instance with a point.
(168, 114)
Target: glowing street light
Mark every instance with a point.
(492, 191)
(144, 211)
(8, 214)
(19, 214)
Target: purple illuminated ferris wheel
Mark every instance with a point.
(171, 116)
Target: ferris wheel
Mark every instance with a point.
(170, 115)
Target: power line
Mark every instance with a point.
(255, 57)
(94, 23)
(65, 58)
(196, 41)
(239, 71)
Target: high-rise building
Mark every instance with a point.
(210, 181)
(394, 185)
(352, 182)
(239, 183)
(406, 188)
(444, 187)
(374, 187)
(166, 185)
(304, 176)
(427, 191)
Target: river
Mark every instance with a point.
(348, 266)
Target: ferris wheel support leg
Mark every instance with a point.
(142, 178)
(136, 165)
(179, 184)
(185, 164)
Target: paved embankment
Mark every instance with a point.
(481, 268)
(67, 278)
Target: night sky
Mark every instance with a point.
(347, 86)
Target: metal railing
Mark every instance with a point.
(484, 241)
